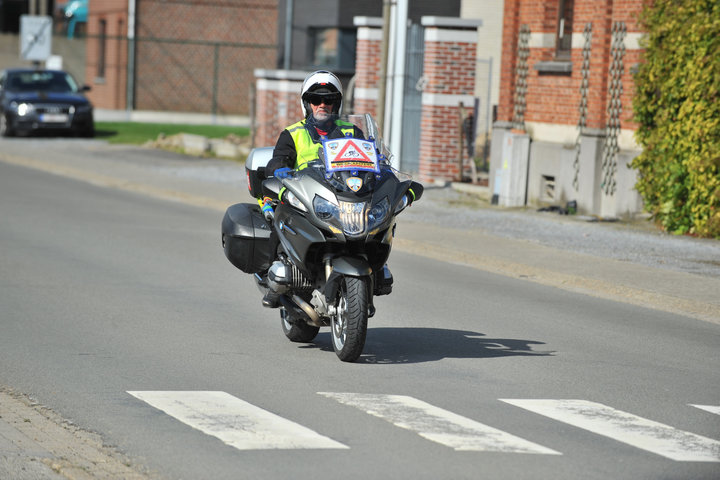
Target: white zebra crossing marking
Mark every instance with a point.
(708, 408)
(627, 428)
(438, 425)
(234, 421)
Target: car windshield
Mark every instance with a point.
(46, 81)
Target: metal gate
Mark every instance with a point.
(412, 102)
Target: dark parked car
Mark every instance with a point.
(43, 100)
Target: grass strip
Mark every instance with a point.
(139, 133)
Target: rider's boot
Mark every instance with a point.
(271, 299)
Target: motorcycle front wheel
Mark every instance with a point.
(349, 325)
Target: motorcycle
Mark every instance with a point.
(335, 222)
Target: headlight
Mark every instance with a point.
(83, 108)
(324, 209)
(25, 109)
(290, 198)
(378, 213)
(352, 217)
(349, 216)
(402, 205)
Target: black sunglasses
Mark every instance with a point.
(316, 99)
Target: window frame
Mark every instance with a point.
(563, 32)
(102, 49)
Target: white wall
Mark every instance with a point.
(489, 49)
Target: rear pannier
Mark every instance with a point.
(245, 238)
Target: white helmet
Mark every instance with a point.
(321, 82)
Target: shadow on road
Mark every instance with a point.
(417, 345)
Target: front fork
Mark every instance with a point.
(335, 269)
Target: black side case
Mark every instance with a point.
(246, 237)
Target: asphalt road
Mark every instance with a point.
(120, 313)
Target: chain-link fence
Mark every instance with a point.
(200, 56)
(201, 77)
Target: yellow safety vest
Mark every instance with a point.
(306, 149)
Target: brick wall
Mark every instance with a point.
(576, 164)
(449, 71)
(553, 98)
(277, 103)
(108, 86)
(190, 51)
(367, 66)
(191, 56)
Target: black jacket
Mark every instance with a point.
(285, 154)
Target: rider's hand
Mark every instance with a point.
(283, 172)
(267, 209)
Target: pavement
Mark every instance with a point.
(216, 184)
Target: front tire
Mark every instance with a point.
(297, 332)
(349, 325)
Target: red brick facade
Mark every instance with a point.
(106, 70)
(563, 163)
(449, 72)
(207, 55)
(277, 101)
(554, 98)
(367, 68)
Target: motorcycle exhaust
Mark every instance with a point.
(309, 311)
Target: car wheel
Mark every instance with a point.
(5, 129)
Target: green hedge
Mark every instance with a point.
(677, 106)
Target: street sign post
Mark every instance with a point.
(35, 37)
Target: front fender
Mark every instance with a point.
(351, 266)
(345, 266)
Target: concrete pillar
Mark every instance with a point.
(590, 170)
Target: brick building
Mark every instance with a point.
(564, 130)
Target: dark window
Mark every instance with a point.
(102, 41)
(333, 48)
(564, 29)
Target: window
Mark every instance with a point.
(333, 48)
(102, 40)
(563, 41)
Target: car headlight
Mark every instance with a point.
(25, 109)
(378, 213)
(83, 108)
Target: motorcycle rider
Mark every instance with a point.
(321, 101)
